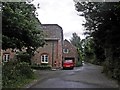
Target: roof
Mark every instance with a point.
(52, 31)
(49, 25)
(67, 42)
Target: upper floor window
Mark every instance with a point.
(44, 58)
(6, 57)
(65, 51)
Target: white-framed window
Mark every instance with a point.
(6, 57)
(44, 58)
(65, 50)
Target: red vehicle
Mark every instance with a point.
(68, 64)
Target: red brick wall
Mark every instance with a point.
(47, 49)
(60, 53)
(53, 34)
(8, 51)
(72, 53)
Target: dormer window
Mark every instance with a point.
(65, 50)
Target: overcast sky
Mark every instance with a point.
(63, 13)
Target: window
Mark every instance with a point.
(6, 57)
(65, 50)
(44, 59)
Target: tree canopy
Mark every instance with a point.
(20, 27)
(77, 42)
(103, 24)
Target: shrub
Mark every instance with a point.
(23, 57)
(24, 69)
(15, 72)
(116, 71)
(79, 63)
(41, 67)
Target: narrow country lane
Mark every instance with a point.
(87, 76)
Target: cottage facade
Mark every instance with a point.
(51, 52)
(7, 55)
(69, 52)
(10, 54)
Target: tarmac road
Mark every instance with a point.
(87, 76)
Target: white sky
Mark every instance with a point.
(63, 13)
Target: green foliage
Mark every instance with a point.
(23, 57)
(14, 74)
(41, 66)
(20, 27)
(89, 54)
(112, 67)
(78, 64)
(77, 42)
(24, 69)
(103, 24)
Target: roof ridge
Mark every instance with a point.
(51, 25)
(70, 43)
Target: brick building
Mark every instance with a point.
(69, 51)
(51, 52)
(8, 54)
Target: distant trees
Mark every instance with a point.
(89, 55)
(76, 41)
(103, 24)
(20, 26)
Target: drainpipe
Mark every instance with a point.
(52, 53)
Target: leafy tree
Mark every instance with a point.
(20, 27)
(103, 24)
(76, 41)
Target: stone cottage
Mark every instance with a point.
(51, 52)
(69, 52)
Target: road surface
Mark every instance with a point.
(87, 76)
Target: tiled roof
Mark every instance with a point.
(52, 31)
(66, 42)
